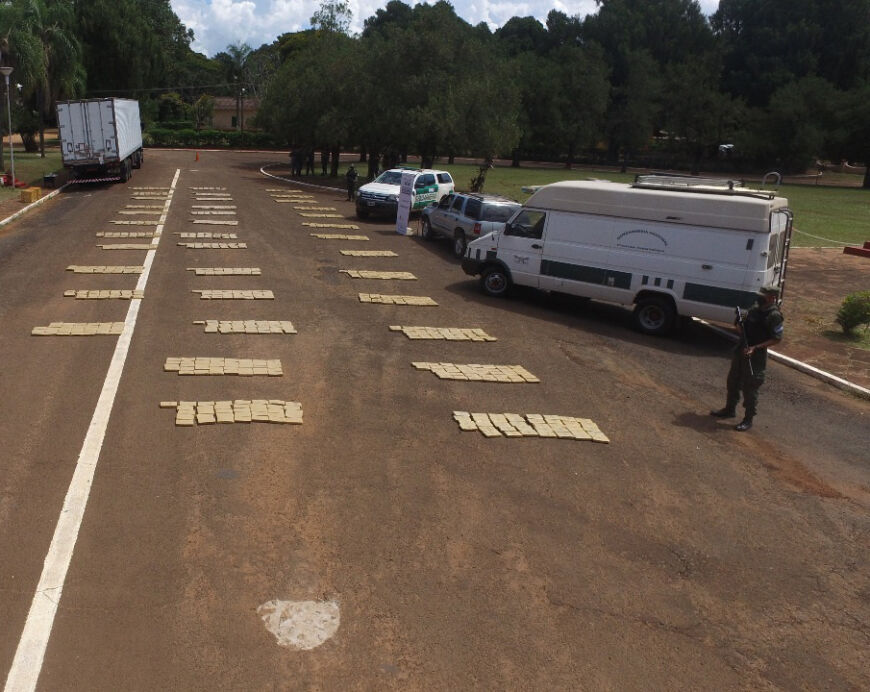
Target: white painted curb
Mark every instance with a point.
(30, 206)
(295, 181)
(800, 366)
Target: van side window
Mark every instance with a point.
(528, 224)
(444, 178)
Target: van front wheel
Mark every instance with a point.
(654, 315)
(495, 282)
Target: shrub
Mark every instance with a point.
(854, 311)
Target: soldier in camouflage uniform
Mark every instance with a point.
(763, 327)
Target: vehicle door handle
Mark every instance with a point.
(706, 266)
(536, 246)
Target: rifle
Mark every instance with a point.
(744, 342)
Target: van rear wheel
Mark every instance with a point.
(495, 282)
(654, 315)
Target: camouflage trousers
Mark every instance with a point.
(742, 381)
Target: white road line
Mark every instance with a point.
(27, 664)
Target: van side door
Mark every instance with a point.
(521, 244)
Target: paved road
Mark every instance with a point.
(682, 554)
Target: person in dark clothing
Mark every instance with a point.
(324, 162)
(762, 327)
(309, 162)
(351, 177)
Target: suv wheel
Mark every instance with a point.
(459, 244)
(426, 230)
(362, 212)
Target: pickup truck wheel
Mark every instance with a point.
(495, 282)
(654, 315)
(459, 244)
(426, 230)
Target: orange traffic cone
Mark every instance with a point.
(197, 156)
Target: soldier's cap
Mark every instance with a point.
(769, 291)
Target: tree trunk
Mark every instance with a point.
(866, 185)
(570, 163)
(515, 158)
(373, 165)
(363, 155)
(41, 101)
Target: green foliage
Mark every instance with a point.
(854, 312)
(227, 139)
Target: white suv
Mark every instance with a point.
(382, 194)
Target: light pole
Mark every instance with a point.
(6, 71)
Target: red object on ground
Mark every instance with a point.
(860, 251)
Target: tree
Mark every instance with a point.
(203, 111)
(768, 43)
(333, 15)
(40, 40)
(130, 45)
(234, 66)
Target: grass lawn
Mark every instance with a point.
(824, 215)
(30, 168)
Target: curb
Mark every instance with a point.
(30, 206)
(293, 181)
(800, 366)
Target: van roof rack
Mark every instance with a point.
(692, 183)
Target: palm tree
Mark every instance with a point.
(234, 63)
(39, 40)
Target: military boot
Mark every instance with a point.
(744, 425)
(727, 412)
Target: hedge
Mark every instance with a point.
(229, 139)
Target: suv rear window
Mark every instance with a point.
(472, 209)
(497, 212)
(444, 178)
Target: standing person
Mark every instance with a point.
(309, 162)
(324, 162)
(762, 327)
(351, 176)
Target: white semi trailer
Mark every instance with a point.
(100, 139)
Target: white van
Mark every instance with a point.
(669, 245)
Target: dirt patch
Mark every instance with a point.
(817, 281)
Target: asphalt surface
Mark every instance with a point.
(680, 555)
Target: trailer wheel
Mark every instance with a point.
(495, 281)
(137, 159)
(654, 315)
(126, 170)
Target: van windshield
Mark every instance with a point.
(390, 178)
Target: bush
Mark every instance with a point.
(854, 311)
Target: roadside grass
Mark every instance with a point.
(824, 215)
(30, 168)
